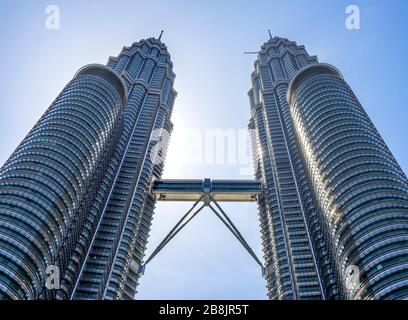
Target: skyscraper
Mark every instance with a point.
(334, 214)
(75, 193)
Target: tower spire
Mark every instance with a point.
(161, 33)
(269, 32)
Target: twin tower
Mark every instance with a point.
(76, 195)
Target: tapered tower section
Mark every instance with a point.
(75, 195)
(124, 205)
(296, 257)
(333, 212)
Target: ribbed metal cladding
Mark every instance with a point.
(47, 184)
(361, 191)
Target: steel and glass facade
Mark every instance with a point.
(76, 192)
(334, 195)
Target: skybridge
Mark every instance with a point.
(219, 190)
(209, 193)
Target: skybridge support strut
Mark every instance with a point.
(234, 230)
(207, 199)
(176, 229)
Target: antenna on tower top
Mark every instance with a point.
(161, 33)
(270, 35)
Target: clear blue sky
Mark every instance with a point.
(206, 40)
